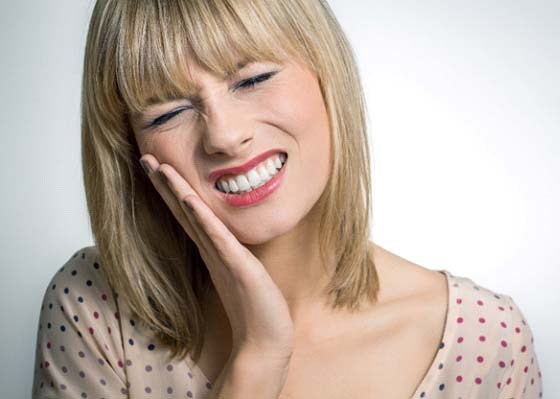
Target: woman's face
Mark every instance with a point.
(226, 126)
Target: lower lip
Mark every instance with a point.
(257, 195)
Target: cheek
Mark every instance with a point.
(175, 151)
(167, 147)
(141, 143)
(168, 141)
(149, 144)
(299, 112)
(304, 118)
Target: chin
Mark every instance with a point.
(262, 233)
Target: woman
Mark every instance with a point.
(226, 169)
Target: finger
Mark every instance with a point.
(207, 249)
(218, 247)
(224, 241)
(187, 221)
(178, 185)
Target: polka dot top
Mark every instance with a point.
(90, 346)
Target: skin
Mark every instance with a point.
(286, 111)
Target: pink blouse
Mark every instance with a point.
(89, 345)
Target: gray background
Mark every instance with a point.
(463, 100)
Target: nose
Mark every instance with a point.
(228, 127)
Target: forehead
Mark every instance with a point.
(192, 85)
(160, 61)
(192, 89)
(183, 80)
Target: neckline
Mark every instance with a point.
(422, 385)
(199, 370)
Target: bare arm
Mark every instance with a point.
(249, 377)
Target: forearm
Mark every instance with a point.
(246, 377)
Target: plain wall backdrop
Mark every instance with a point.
(464, 116)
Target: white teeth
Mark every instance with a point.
(233, 187)
(256, 177)
(270, 167)
(243, 183)
(263, 172)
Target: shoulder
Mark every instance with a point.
(80, 277)
(79, 300)
(78, 292)
(487, 347)
(489, 340)
(498, 314)
(78, 332)
(478, 305)
(470, 304)
(403, 280)
(84, 260)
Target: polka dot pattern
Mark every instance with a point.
(491, 351)
(91, 345)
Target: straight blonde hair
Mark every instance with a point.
(136, 53)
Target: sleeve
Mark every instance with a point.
(79, 350)
(522, 379)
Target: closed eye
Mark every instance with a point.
(164, 118)
(244, 84)
(251, 82)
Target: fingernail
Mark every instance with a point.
(162, 176)
(145, 166)
(187, 204)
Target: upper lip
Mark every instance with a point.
(236, 170)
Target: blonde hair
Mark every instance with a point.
(135, 54)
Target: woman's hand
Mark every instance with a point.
(258, 313)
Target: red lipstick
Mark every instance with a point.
(257, 195)
(215, 175)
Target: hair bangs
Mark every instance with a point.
(144, 52)
(153, 57)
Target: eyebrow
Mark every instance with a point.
(240, 65)
(193, 92)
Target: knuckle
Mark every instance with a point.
(215, 237)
